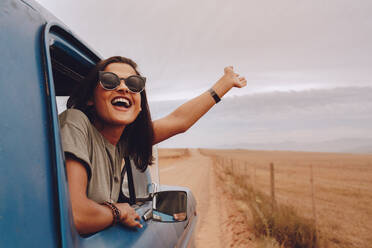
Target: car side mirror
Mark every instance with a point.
(169, 206)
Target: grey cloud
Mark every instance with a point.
(305, 43)
(278, 45)
(303, 118)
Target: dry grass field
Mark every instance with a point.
(342, 186)
(171, 156)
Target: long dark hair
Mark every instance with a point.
(138, 135)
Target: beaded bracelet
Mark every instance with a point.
(115, 212)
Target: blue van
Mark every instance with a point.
(42, 60)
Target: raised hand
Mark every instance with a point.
(234, 78)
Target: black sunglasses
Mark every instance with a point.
(110, 81)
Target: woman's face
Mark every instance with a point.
(118, 107)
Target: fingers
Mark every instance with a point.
(138, 224)
(228, 69)
(242, 82)
(235, 78)
(131, 221)
(137, 217)
(129, 216)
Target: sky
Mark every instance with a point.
(327, 120)
(183, 46)
(288, 50)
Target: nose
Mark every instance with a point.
(122, 86)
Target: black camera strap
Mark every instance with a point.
(132, 193)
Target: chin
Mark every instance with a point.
(123, 121)
(118, 119)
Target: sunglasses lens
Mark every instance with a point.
(135, 83)
(109, 80)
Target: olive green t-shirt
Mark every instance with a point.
(102, 159)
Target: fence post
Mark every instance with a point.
(272, 183)
(254, 177)
(313, 197)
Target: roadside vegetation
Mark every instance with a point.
(274, 226)
(171, 156)
(173, 153)
(332, 189)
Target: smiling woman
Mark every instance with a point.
(108, 119)
(111, 120)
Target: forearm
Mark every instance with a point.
(190, 112)
(222, 86)
(90, 217)
(181, 119)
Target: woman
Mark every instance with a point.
(108, 118)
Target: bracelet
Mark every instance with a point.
(214, 95)
(115, 212)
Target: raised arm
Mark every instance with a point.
(190, 112)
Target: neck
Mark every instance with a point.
(111, 132)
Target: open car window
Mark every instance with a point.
(61, 103)
(70, 63)
(144, 182)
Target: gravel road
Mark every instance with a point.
(196, 172)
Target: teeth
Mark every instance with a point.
(123, 100)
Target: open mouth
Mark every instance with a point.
(121, 102)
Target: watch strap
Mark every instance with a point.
(214, 95)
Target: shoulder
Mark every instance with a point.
(75, 130)
(74, 117)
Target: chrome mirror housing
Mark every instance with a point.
(154, 170)
(169, 206)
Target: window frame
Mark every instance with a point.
(56, 34)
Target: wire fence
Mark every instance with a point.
(330, 191)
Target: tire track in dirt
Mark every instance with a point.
(196, 172)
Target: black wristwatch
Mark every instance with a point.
(214, 95)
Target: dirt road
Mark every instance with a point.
(217, 223)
